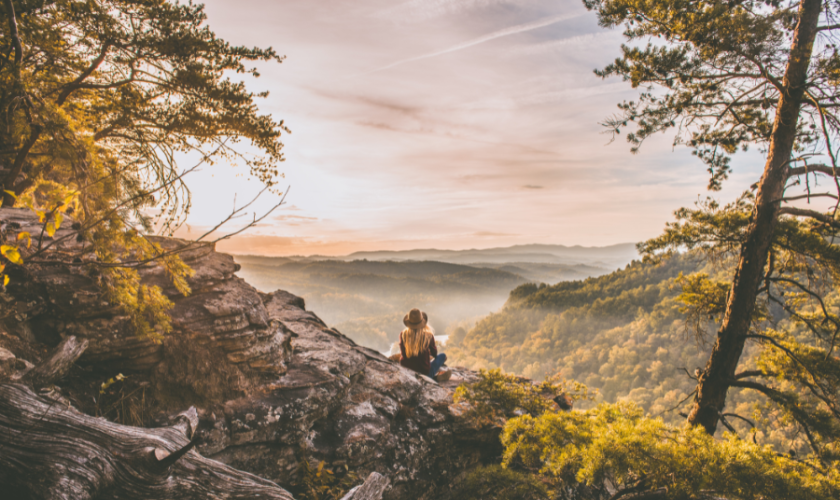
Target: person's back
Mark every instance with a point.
(418, 351)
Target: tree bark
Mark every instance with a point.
(48, 450)
(715, 381)
(17, 166)
(372, 489)
(57, 364)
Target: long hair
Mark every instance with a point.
(416, 341)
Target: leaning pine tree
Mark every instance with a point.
(725, 75)
(730, 75)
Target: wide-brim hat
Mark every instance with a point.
(415, 319)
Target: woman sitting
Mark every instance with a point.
(418, 351)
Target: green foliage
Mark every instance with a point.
(622, 334)
(704, 299)
(615, 444)
(795, 324)
(614, 451)
(498, 396)
(717, 70)
(99, 98)
(716, 230)
(146, 306)
(320, 482)
(727, 75)
(494, 482)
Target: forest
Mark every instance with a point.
(706, 369)
(367, 299)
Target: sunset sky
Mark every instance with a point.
(448, 124)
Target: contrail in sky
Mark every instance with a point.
(475, 41)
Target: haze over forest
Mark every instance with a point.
(366, 294)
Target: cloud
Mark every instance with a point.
(375, 102)
(422, 10)
(532, 186)
(490, 234)
(298, 218)
(555, 45)
(294, 220)
(513, 30)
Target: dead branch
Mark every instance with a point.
(57, 364)
(52, 451)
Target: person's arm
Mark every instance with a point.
(432, 346)
(402, 347)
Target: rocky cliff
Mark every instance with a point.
(271, 383)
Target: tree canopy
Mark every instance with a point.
(723, 76)
(728, 75)
(101, 99)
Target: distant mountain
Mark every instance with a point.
(366, 294)
(609, 256)
(367, 299)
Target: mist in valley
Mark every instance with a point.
(366, 295)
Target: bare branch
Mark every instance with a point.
(809, 195)
(76, 84)
(13, 32)
(816, 168)
(803, 212)
(749, 373)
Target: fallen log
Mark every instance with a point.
(50, 450)
(57, 364)
(372, 489)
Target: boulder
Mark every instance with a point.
(271, 383)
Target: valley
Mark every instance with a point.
(366, 295)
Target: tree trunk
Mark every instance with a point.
(714, 381)
(49, 450)
(57, 364)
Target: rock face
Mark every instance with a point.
(347, 405)
(272, 383)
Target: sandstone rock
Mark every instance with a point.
(268, 379)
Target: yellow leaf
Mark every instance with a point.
(50, 229)
(2, 267)
(11, 253)
(59, 217)
(5, 280)
(23, 234)
(10, 193)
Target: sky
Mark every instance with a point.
(447, 124)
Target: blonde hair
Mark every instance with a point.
(416, 341)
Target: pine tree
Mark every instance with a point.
(732, 74)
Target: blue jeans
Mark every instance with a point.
(437, 363)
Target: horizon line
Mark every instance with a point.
(250, 254)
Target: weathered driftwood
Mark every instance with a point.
(372, 489)
(48, 450)
(57, 364)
